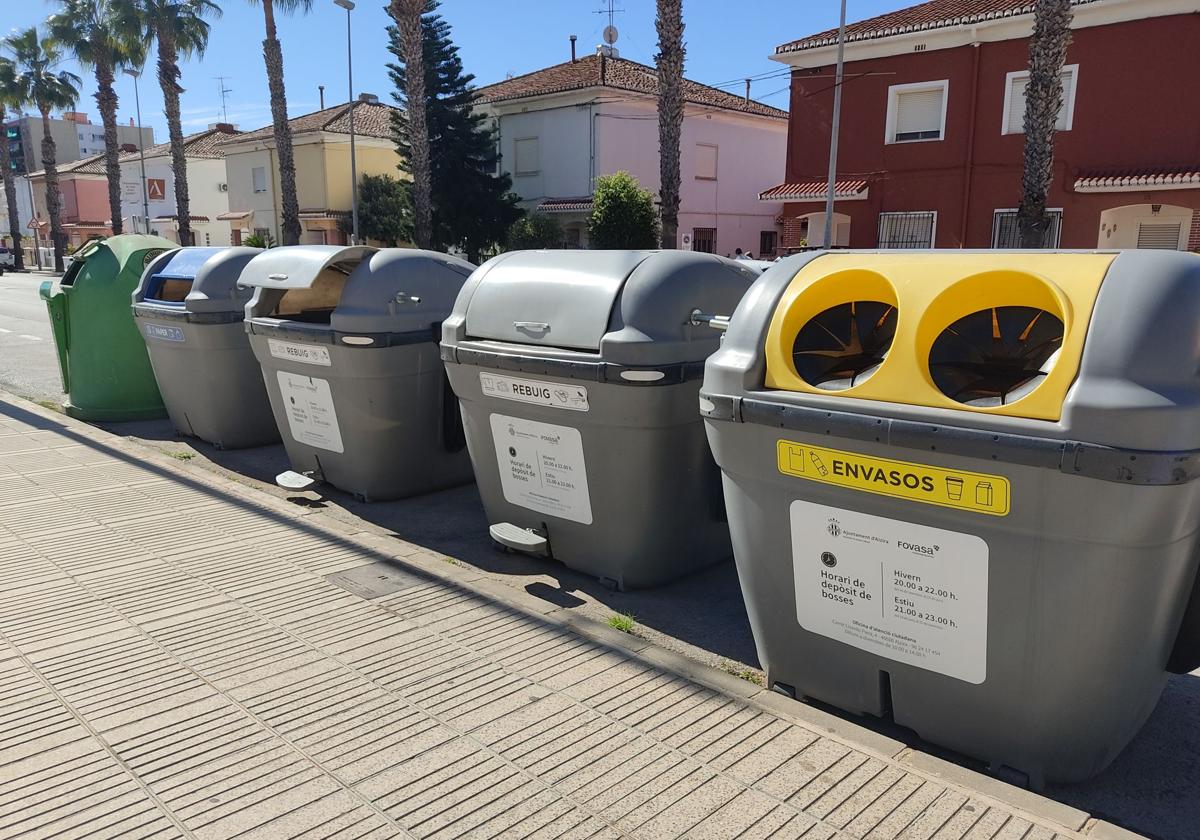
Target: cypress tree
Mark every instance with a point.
(473, 207)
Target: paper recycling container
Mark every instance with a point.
(347, 341)
(106, 373)
(578, 373)
(190, 312)
(962, 490)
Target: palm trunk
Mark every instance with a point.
(53, 196)
(669, 23)
(106, 99)
(273, 57)
(10, 195)
(168, 80)
(1043, 100)
(407, 15)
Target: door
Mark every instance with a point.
(704, 240)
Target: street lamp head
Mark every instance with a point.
(348, 5)
(129, 72)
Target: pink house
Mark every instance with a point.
(85, 212)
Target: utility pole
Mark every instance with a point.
(141, 148)
(348, 5)
(837, 125)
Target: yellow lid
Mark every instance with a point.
(931, 292)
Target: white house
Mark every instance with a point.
(208, 191)
(561, 127)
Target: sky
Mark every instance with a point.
(726, 42)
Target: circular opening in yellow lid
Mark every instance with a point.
(844, 345)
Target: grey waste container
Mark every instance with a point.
(189, 311)
(578, 373)
(962, 490)
(347, 341)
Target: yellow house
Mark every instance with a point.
(321, 146)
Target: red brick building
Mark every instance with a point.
(931, 137)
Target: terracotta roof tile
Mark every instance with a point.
(619, 74)
(93, 165)
(371, 119)
(936, 14)
(202, 144)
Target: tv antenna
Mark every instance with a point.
(223, 92)
(610, 32)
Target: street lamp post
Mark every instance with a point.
(141, 149)
(348, 5)
(831, 188)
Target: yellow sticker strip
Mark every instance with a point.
(978, 492)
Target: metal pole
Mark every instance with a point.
(353, 161)
(141, 150)
(836, 128)
(37, 237)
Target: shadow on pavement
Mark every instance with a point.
(1153, 787)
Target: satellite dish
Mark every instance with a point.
(610, 34)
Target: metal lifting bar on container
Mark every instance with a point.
(962, 491)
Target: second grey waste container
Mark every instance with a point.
(189, 311)
(578, 373)
(347, 341)
(964, 490)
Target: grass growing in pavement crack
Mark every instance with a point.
(51, 405)
(182, 456)
(741, 672)
(625, 622)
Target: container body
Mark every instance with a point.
(210, 381)
(1077, 622)
(378, 422)
(107, 372)
(624, 490)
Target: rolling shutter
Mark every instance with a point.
(1014, 122)
(919, 114)
(1162, 236)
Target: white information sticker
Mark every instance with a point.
(908, 592)
(308, 404)
(309, 354)
(541, 467)
(553, 394)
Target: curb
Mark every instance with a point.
(442, 567)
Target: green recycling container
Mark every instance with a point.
(106, 372)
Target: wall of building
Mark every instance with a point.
(73, 140)
(563, 127)
(1126, 116)
(749, 151)
(372, 157)
(239, 164)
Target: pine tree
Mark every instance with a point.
(473, 208)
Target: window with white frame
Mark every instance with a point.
(1006, 230)
(913, 229)
(1014, 100)
(917, 112)
(526, 153)
(258, 179)
(706, 162)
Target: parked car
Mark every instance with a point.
(7, 259)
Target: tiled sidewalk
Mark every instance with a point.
(177, 661)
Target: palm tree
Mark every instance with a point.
(671, 51)
(105, 36)
(11, 95)
(47, 88)
(273, 57)
(407, 14)
(1043, 101)
(180, 30)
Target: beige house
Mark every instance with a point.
(321, 145)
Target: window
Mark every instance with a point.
(767, 240)
(704, 240)
(706, 162)
(1014, 100)
(1006, 232)
(907, 230)
(525, 150)
(258, 177)
(1160, 235)
(262, 233)
(917, 112)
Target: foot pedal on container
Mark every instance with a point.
(519, 539)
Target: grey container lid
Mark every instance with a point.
(399, 290)
(630, 307)
(298, 266)
(214, 273)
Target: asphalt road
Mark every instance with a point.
(28, 364)
(1152, 788)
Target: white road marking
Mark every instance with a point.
(2, 330)
(30, 337)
